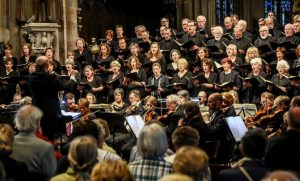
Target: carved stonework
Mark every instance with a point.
(42, 36)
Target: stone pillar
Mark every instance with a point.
(4, 32)
(70, 8)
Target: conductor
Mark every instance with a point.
(44, 89)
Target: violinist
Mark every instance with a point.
(275, 120)
(136, 106)
(192, 117)
(150, 103)
(267, 102)
(70, 105)
(83, 107)
(175, 112)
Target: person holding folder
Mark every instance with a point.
(157, 83)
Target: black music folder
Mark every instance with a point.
(188, 44)
(132, 76)
(202, 79)
(144, 47)
(114, 83)
(212, 48)
(151, 87)
(105, 64)
(85, 85)
(252, 80)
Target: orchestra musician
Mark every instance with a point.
(192, 117)
(150, 103)
(227, 104)
(83, 107)
(175, 112)
(267, 102)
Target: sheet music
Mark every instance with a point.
(136, 124)
(237, 127)
(73, 114)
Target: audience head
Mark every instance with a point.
(295, 101)
(176, 177)
(111, 170)
(82, 156)
(281, 176)
(293, 118)
(28, 119)
(152, 142)
(191, 161)
(253, 143)
(185, 136)
(6, 140)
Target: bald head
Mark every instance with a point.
(42, 63)
(281, 176)
(214, 101)
(293, 118)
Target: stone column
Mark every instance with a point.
(70, 24)
(4, 32)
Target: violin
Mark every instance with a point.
(149, 114)
(252, 120)
(265, 120)
(165, 117)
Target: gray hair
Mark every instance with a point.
(28, 118)
(173, 98)
(184, 94)
(152, 141)
(283, 63)
(256, 60)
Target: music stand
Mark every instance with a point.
(115, 123)
(244, 110)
